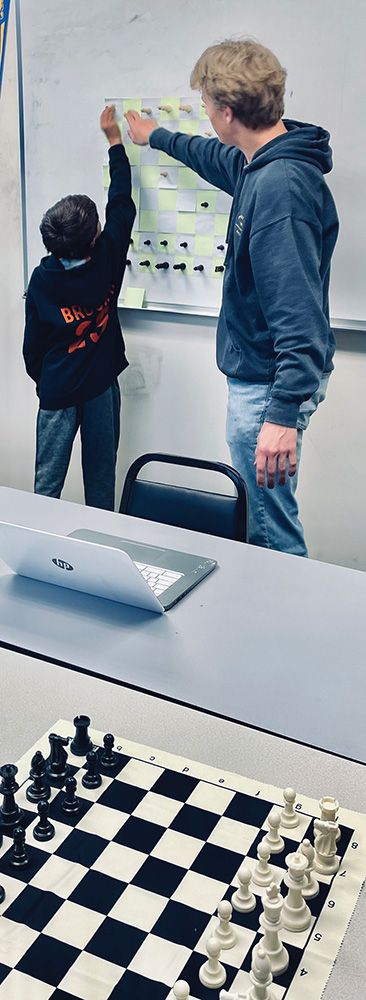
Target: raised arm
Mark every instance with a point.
(120, 209)
(211, 159)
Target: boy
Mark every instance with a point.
(274, 341)
(73, 346)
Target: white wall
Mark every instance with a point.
(183, 409)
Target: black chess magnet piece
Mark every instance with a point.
(81, 743)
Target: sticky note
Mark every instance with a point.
(167, 201)
(186, 222)
(206, 201)
(150, 176)
(134, 298)
(149, 199)
(148, 221)
(186, 201)
(167, 222)
(220, 227)
(133, 153)
(187, 178)
(204, 245)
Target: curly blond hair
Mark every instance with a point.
(244, 76)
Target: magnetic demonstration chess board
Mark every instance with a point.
(119, 904)
(175, 205)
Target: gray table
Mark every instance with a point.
(267, 639)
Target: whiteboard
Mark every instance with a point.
(73, 54)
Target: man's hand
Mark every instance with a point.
(110, 126)
(139, 129)
(275, 452)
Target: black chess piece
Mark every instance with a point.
(128, 263)
(220, 267)
(163, 266)
(147, 243)
(2, 893)
(57, 768)
(107, 757)
(184, 245)
(163, 243)
(91, 778)
(39, 789)
(221, 246)
(10, 813)
(19, 856)
(199, 267)
(70, 804)
(179, 267)
(44, 830)
(204, 204)
(145, 263)
(81, 743)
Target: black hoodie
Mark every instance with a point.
(73, 346)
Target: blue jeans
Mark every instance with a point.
(273, 514)
(99, 422)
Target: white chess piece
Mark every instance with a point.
(262, 874)
(272, 839)
(289, 816)
(243, 900)
(296, 915)
(326, 860)
(181, 990)
(271, 923)
(312, 884)
(260, 975)
(224, 995)
(329, 809)
(212, 973)
(225, 932)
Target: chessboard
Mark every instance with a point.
(181, 219)
(119, 904)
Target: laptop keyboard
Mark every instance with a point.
(159, 579)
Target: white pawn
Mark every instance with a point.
(272, 839)
(296, 915)
(262, 874)
(243, 900)
(271, 923)
(289, 816)
(181, 990)
(260, 975)
(312, 886)
(225, 931)
(212, 973)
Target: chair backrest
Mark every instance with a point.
(199, 510)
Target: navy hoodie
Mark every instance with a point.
(274, 320)
(73, 346)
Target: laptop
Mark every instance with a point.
(145, 576)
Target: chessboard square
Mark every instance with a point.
(186, 178)
(36, 859)
(15, 939)
(186, 201)
(190, 973)
(17, 985)
(159, 876)
(166, 222)
(304, 829)
(205, 227)
(174, 846)
(279, 859)
(234, 956)
(200, 892)
(148, 220)
(181, 924)
(167, 200)
(84, 848)
(121, 796)
(138, 907)
(53, 957)
(116, 942)
(33, 908)
(159, 809)
(98, 892)
(24, 803)
(176, 786)
(206, 202)
(150, 176)
(217, 862)
(59, 876)
(223, 202)
(135, 987)
(91, 977)
(188, 126)
(165, 160)
(211, 797)
(62, 832)
(297, 939)
(195, 822)
(133, 153)
(186, 222)
(4, 971)
(296, 955)
(160, 960)
(13, 889)
(140, 774)
(6, 843)
(58, 816)
(234, 836)
(119, 862)
(259, 890)
(74, 924)
(140, 834)
(248, 809)
(93, 794)
(221, 224)
(149, 199)
(102, 820)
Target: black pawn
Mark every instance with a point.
(107, 757)
(91, 778)
(219, 268)
(184, 245)
(163, 266)
(81, 743)
(221, 246)
(10, 813)
(19, 857)
(199, 267)
(147, 243)
(70, 804)
(145, 263)
(163, 243)
(179, 267)
(38, 790)
(204, 204)
(44, 830)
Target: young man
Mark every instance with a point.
(274, 341)
(73, 345)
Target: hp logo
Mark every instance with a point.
(62, 564)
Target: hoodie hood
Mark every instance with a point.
(309, 143)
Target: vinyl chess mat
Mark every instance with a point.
(120, 903)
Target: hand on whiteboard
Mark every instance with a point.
(110, 126)
(275, 453)
(139, 129)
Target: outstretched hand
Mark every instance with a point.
(139, 129)
(109, 125)
(275, 454)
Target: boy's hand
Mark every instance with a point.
(139, 129)
(110, 126)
